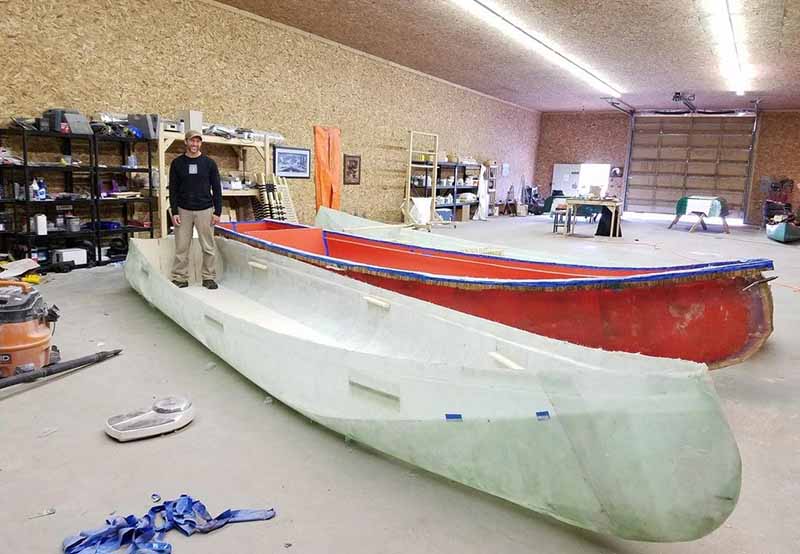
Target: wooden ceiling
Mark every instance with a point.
(647, 49)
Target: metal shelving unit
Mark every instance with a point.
(18, 232)
(442, 170)
(423, 173)
(126, 146)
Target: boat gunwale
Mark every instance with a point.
(767, 263)
(683, 273)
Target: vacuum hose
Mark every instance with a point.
(60, 367)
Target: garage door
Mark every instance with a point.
(675, 156)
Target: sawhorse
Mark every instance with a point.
(700, 221)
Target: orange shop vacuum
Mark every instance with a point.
(26, 329)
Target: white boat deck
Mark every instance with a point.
(225, 299)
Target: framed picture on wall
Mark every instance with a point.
(352, 169)
(292, 163)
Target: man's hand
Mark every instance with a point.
(176, 220)
(214, 219)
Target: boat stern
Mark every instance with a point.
(666, 466)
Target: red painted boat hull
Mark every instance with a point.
(717, 316)
(709, 321)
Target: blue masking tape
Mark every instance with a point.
(145, 535)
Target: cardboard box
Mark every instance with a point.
(75, 255)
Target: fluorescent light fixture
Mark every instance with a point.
(731, 51)
(489, 13)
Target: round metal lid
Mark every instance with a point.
(171, 404)
(18, 305)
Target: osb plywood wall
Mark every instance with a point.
(777, 155)
(164, 56)
(583, 137)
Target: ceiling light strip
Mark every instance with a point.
(560, 58)
(739, 83)
(732, 53)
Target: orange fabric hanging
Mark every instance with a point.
(328, 166)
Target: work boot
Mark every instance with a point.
(180, 284)
(210, 284)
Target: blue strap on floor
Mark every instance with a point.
(145, 535)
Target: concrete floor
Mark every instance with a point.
(244, 451)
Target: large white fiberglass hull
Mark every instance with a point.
(618, 443)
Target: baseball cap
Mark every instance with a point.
(192, 133)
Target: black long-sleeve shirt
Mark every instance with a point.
(194, 184)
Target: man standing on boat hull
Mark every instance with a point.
(195, 199)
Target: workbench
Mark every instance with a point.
(614, 205)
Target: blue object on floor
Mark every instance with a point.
(145, 535)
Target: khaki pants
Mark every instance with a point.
(200, 220)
